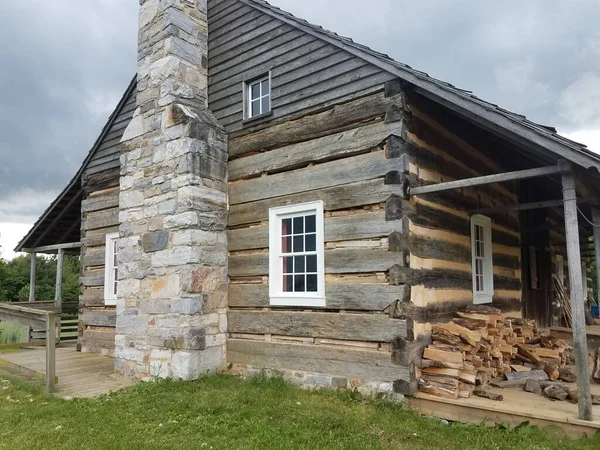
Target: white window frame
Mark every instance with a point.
(110, 298)
(276, 294)
(487, 294)
(248, 96)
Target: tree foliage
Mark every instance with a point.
(14, 280)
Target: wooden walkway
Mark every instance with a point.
(517, 407)
(79, 374)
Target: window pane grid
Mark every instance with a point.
(259, 97)
(298, 255)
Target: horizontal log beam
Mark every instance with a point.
(486, 179)
(343, 362)
(49, 248)
(351, 327)
(520, 207)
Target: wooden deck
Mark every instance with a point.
(518, 407)
(79, 374)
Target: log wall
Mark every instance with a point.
(100, 216)
(438, 246)
(340, 156)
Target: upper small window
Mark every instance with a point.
(481, 253)
(296, 255)
(258, 96)
(111, 269)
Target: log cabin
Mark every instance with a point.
(269, 195)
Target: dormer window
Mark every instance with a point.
(257, 97)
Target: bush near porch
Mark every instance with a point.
(223, 412)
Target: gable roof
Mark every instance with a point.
(530, 136)
(61, 222)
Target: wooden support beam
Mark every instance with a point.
(50, 248)
(487, 179)
(521, 207)
(577, 296)
(59, 277)
(32, 278)
(596, 220)
(50, 351)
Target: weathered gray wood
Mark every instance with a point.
(92, 277)
(59, 280)
(51, 248)
(521, 207)
(335, 198)
(596, 220)
(311, 126)
(357, 297)
(91, 296)
(51, 351)
(93, 257)
(325, 94)
(354, 327)
(99, 318)
(32, 277)
(353, 363)
(577, 296)
(342, 228)
(280, 64)
(101, 219)
(486, 179)
(343, 260)
(97, 238)
(344, 171)
(106, 200)
(346, 143)
(94, 341)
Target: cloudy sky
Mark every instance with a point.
(64, 64)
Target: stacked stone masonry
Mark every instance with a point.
(171, 309)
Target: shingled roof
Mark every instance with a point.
(516, 127)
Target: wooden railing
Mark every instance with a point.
(36, 315)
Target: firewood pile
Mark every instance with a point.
(479, 346)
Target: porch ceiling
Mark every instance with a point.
(60, 223)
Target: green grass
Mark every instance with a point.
(223, 412)
(12, 333)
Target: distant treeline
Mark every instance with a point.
(14, 280)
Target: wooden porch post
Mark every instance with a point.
(577, 299)
(32, 277)
(59, 273)
(596, 220)
(50, 351)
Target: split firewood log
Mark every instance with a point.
(489, 395)
(556, 393)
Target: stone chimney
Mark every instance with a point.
(172, 252)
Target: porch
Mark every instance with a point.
(77, 374)
(518, 407)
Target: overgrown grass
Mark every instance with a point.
(12, 333)
(224, 412)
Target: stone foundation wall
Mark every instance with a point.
(311, 380)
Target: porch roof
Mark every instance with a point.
(540, 142)
(61, 222)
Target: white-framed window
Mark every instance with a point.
(257, 96)
(481, 255)
(110, 269)
(296, 255)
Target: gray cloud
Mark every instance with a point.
(64, 64)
